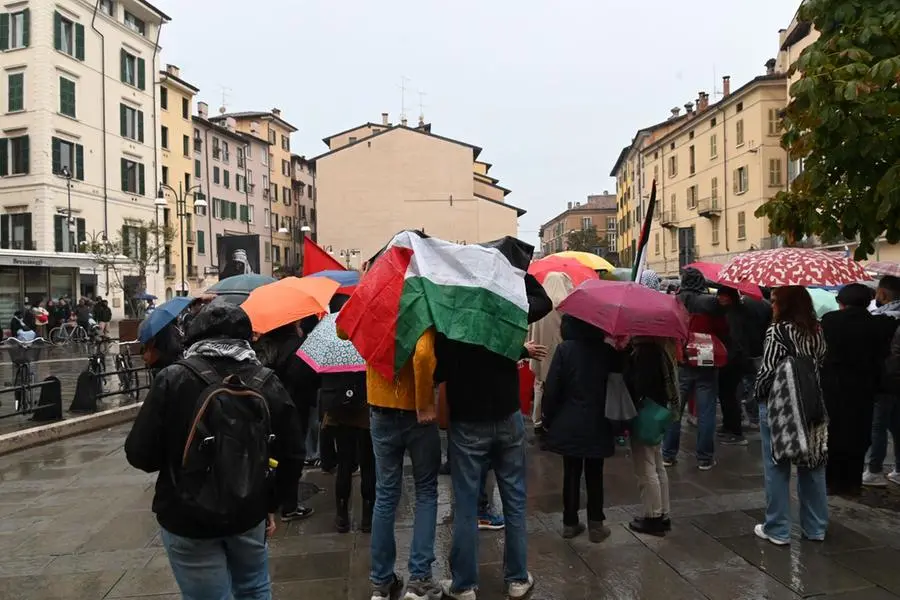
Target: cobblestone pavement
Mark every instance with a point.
(75, 524)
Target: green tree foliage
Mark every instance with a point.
(844, 121)
(584, 240)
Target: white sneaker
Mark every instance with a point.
(520, 589)
(760, 532)
(894, 477)
(874, 479)
(445, 587)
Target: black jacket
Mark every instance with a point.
(278, 351)
(102, 312)
(694, 294)
(159, 433)
(574, 401)
(645, 372)
(857, 345)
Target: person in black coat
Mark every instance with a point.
(574, 414)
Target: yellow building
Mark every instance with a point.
(176, 97)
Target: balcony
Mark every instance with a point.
(198, 144)
(192, 271)
(709, 208)
(170, 271)
(22, 245)
(217, 152)
(667, 219)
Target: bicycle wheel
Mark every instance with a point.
(57, 336)
(79, 335)
(21, 381)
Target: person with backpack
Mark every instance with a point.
(213, 426)
(792, 418)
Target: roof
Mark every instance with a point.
(519, 211)
(799, 32)
(238, 135)
(367, 124)
(166, 18)
(620, 160)
(179, 81)
(254, 115)
(475, 149)
(650, 129)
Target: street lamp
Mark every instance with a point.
(304, 229)
(281, 230)
(181, 212)
(70, 224)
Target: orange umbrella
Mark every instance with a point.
(288, 300)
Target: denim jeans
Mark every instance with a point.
(395, 432)
(221, 568)
(885, 419)
(704, 382)
(474, 448)
(810, 490)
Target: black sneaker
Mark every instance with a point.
(649, 525)
(298, 514)
(667, 523)
(730, 439)
(388, 591)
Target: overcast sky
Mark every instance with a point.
(550, 90)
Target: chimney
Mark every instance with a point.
(689, 108)
(276, 112)
(675, 112)
(606, 192)
(384, 119)
(704, 102)
(254, 128)
(173, 70)
(421, 120)
(726, 86)
(202, 110)
(570, 206)
(770, 66)
(403, 121)
(230, 123)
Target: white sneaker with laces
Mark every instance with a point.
(894, 477)
(760, 532)
(467, 595)
(520, 589)
(873, 479)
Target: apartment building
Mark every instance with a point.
(305, 200)
(78, 147)
(281, 255)
(713, 170)
(598, 212)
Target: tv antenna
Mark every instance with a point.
(716, 92)
(225, 91)
(422, 106)
(403, 81)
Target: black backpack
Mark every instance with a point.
(342, 392)
(225, 462)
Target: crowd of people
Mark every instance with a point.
(215, 525)
(39, 319)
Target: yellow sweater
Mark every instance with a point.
(413, 388)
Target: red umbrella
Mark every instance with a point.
(711, 272)
(572, 267)
(624, 308)
(884, 268)
(794, 266)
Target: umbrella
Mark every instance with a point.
(144, 296)
(884, 268)
(711, 271)
(576, 271)
(164, 314)
(345, 278)
(288, 300)
(793, 266)
(617, 274)
(627, 309)
(591, 261)
(240, 284)
(823, 301)
(325, 352)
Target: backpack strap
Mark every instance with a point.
(259, 378)
(202, 369)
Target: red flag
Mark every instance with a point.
(315, 259)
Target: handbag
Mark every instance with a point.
(619, 405)
(651, 423)
(342, 392)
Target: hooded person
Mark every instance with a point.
(215, 553)
(238, 265)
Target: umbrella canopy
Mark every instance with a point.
(591, 261)
(576, 271)
(793, 266)
(627, 309)
(144, 296)
(345, 278)
(164, 314)
(325, 352)
(884, 268)
(711, 271)
(617, 274)
(823, 301)
(240, 284)
(288, 300)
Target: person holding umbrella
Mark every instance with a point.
(160, 335)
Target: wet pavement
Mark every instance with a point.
(75, 523)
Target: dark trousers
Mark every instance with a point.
(730, 377)
(327, 449)
(593, 478)
(354, 447)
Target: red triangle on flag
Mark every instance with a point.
(316, 259)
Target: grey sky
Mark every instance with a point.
(551, 90)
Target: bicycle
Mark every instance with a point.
(68, 332)
(23, 354)
(97, 360)
(128, 378)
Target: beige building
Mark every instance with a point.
(78, 147)
(304, 184)
(378, 179)
(598, 212)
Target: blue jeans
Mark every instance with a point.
(395, 432)
(475, 448)
(886, 418)
(810, 490)
(219, 568)
(704, 382)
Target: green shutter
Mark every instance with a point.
(201, 242)
(26, 27)
(140, 131)
(141, 80)
(58, 233)
(16, 90)
(4, 31)
(226, 178)
(4, 157)
(141, 189)
(57, 156)
(123, 57)
(124, 175)
(197, 172)
(79, 162)
(123, 120)
(57, 31)
(244, 213)
(25, 154)
(66, 97)
(80, 234)
(79, 41)
(4, 231)
(27, 227)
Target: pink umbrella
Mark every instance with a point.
(624, 308)
(711, 272)
(794, 266)
(884, 268)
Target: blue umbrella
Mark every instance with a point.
(344, 278)
(240, 284)
(144, 296)
(164, 314)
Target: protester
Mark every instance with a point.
(761, 314)
(546, 332)
(575, 420)
(83, 315)
(164, 349)
(795, 332)
(886, 414)
(487, 431)
(216, 548)
(103, 315)
(887, 420)
(739, 340)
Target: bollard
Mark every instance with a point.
(50, 403)
(86, 391)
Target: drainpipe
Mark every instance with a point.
(246, 188)
(156, 116)
(103, 122)
(725, 176)
(209, 207)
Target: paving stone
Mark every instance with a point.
(878, 565)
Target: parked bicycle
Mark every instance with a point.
(23, 354)
(128, 377)
(97, 360)
(68, 333)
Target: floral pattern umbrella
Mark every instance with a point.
(884, 268)
(793, 266)
(325, 352)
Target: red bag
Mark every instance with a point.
(526, 387)
(702, 350)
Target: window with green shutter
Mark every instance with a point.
(129, 176)
(14, 156)
(197, 172)
(244, 215)
(67, 97)
(226, 178)
(141, 74)
(15, 29)
(68, 36)
(201, 242)
(69, 155)
(164, 137)
(16, 92)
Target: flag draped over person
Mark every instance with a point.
(472, 294)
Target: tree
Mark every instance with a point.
(844, 121)
(584, 240)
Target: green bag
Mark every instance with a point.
(651, 423)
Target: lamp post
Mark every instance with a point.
(304, 229)
(181, 212)
(70, 224)
(281, 230)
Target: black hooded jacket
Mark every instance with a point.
(158, 436)
(694, 293)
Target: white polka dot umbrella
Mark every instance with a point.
(793, 266)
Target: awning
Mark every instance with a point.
(67, 260)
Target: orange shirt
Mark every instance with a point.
(413, 388)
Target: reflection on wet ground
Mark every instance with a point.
(75, 523)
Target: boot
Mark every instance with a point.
(365, 525)
(571, 531)
(649, 525)
(342, 518)
(597, 531)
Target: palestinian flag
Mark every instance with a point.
(471, 294)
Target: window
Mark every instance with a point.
(197, 168)
(217, 150)
(164, 137)
(14, 156)
(186, 145)
(187, 181)
(107, 8)
(774, 121)
(692, 160)
(309, 191)
(131, 123)
(246, 213)
(351, 139)
(266, 221)
(249, 181)
(610, 223)
(673, 166)
(65, 240)
(67, 155)
(286, 143)
(67, 97)
(265, 184)
(272, 135)
(714, 193)
(198, 141)
(286, 168)
(774, 172)
(15, 29)
(239, 183)
(673, 204)
(225, 155)
(134, 242)
(274, 192)
(712, 123)
(742, 225)
(226, 178)
(216, 177)
(15, 89)
(655, 172)
(132, 177)
(276, 253)
(133, 70)
(68, 37)
(217, 208)
(611, 243)
(240, 157)
(741, 180)
(692, 197)
(165, 174)
(135, 24)
(586, 223)
(286, 195)
(164, 98)
(715, 231)
(201, 242)
(739, 131)
(15, 231)
(656, 243)
(185, 108)
(267, 251)
(713, 146)
(673, 238)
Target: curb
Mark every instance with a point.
(44, 434)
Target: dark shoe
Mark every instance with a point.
(597, 531)
(667, 522)
(388, 591)
(570, 531)
(342, 518)
(649, 525)
(730, 439)
(444, 469)
(706, 465)
(298, 514)
(365, 524)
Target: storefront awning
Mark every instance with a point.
(66, 260)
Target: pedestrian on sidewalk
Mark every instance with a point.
(886, 416)
(740, 331)
(216, 542)
(546, 332)
(103, 315)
